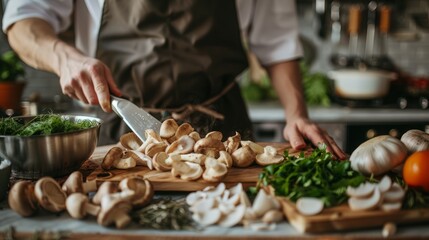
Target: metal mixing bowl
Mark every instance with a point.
(52, 155)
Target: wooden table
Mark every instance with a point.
(44, 223)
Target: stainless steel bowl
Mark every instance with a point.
(53, 155)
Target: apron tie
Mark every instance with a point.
(184, 111)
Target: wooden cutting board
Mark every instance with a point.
(164, 181)
(342, 218)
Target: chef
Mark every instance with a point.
(175, 58)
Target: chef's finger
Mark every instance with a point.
(88, 89)
(336, 150)
(100, 86)
(295, 138)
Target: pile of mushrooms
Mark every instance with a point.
(384, 195)
(181, 150)
(110, 204)
(229, 207)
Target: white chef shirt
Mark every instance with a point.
(271, 26)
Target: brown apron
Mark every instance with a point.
(165, 54)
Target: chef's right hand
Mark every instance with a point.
(88, 80)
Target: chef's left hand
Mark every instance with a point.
(299, 129)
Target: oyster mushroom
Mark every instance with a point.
(50, 195)
(209, 147)
(234, 217)
(185, 144)
(233, 143)
(75, 183)
(113, 154)
(21, 198)
(78, 206)
(225, 158)
(168, 128)
(125, 162)
(196, 136)
(193, 157)
(183, 129)
(130, 141)
(151, 137)
(162, 162)
(258, 149)
(215, 135)
(143, 190)
(264, 203)
(105, 188)
(215, 171)
(269, 156)
(154, 148)
(187, 170)
(273, 216)
(209, 217)
(243, 157)
(115, 211)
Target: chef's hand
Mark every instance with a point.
(299, 129)
(88, 80)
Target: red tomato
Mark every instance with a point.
(416, 170)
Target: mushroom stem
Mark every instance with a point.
(92, 209)
(89, 186)
(122, 220)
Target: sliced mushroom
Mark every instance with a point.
(143, 190)
(385, 184)
(154, 148)
(309, 205)
(263, 203)
(209, 217)
(234, 217)
(225, 158)
(258, 149)
(186, 170)
(269, 156)
(168, 128)
(273, 216)
(127, 161)
(113, 154)
(217, 191)
(130, 141)
(115, 211)
(203, 205)
(75, 183)
(395, 194)
(362, 191)
(105, 188)
(366, 203)
(151, 137)
(235, 195)
(215, 171)
(50, 195)
(209, 147)
(78, 206)
(140, 158)
(243, 157)
(21, 198)
(216, 135)
(185, 144)
(233, 143)
(162, 162)
(193, 157)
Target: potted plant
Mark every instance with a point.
(11, 82)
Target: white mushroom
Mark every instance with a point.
(263, 203)
(130, 141)
(309, 205)
(234, 217)
(385, 184)
(269, 156)
(388, 206)
(162, 162)
(186, 170)
(209, 217)
(243, 157)
(197, 158)
(78, 206)
(214, 171)
(185, 144)
(50, 195)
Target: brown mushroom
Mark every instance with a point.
(258, 149)
(151, 137)
(225, 158)
(186, 170)
(115, 211)
(113, 154)
(185, 144)
(127, 161)
(130, 141)
(75, 183)
(269, 156)
(215, 135)
(22, 199)
(233, 143)
(193, 157)
(162, 161)
(243, 157)
(50, 195)
(143, 190)
(183, 129)
(140, 158)
(154, 148)
(78, 206)
(209, 147)
(168, 128)
(215, 171)
(105, 188)
(196, 136)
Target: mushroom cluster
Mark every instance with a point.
(229, 207)
(385, 195)
(110, 204)
(181, 150)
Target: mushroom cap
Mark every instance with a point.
(233, 143)
(21, 198)
(243, 157)
(161, 163)
(113, 154)
(183, 129)
(215, 171)
(115, 211)
(143, 190)
(168, 128)
(195, 135)
(186, 170)
(130, 141)
(258, 149)
(104, 189)
(50, 195)
(215, 135)
(225, 158)
(154, 148)
(269, 156)
(74, 183)
(209, 147)
(75, 204)
(185, 144)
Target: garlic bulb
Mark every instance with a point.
(378, 155)
(415, 140)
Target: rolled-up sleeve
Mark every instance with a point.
(273, 33)
(56, 12)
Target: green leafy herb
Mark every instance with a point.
(44, 124)
(317, 175)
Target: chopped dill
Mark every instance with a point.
(44, 124)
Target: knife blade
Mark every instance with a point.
(135, 117)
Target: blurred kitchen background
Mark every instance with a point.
(361, 35)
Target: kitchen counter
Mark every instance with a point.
(273, 112)
(44, 222)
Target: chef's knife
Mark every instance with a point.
(136, 118)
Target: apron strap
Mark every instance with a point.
(184, 111)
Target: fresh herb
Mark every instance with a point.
(317, 175)
(44, 124)
(166, 214)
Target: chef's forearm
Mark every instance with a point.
(286, 79)
(37, 44)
